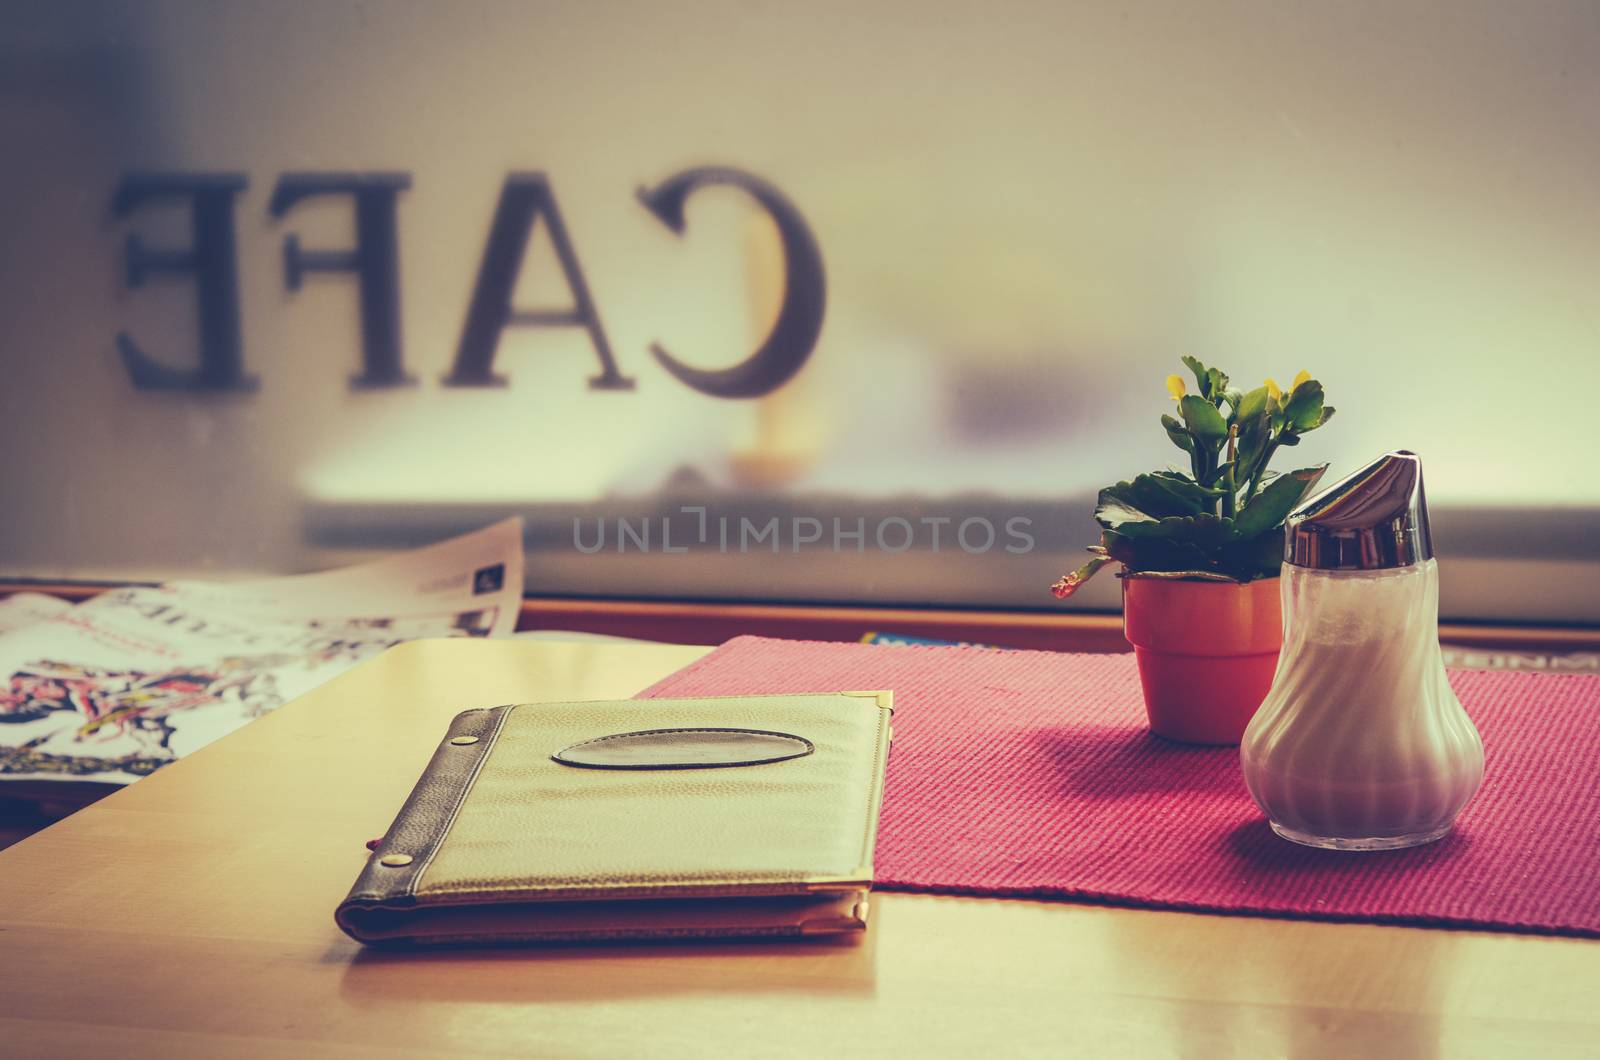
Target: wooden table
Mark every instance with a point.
(191, 914)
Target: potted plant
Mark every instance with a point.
(1200, 552)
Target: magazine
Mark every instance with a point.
(114, 688)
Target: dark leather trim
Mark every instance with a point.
(423, 821)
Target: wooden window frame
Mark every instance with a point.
(692, 622)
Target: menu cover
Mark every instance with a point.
(706, 817)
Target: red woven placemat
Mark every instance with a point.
(1031, 773)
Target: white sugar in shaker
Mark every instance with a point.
(1360, 743)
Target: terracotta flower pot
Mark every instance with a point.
(1207, 651)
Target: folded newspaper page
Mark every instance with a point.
(118, 686)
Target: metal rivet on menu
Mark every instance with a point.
(463, 741)
(395, 861)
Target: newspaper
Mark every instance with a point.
(118, 686)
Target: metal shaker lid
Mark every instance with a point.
(1373, 519)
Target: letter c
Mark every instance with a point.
(799, 322)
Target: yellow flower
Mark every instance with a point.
(1303, 377)
(1274, 391)
(1175, 387)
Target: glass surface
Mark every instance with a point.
(1026, 213)
(1361, 744)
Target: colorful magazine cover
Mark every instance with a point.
(118, 686)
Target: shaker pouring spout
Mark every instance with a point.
(1373, 519)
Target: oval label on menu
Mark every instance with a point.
(684, 749)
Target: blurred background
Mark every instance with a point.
(1027, 212)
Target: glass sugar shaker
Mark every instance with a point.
(1360, 743)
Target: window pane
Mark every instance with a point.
(1026, 213)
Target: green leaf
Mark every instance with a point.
(1232, 396)
(1253, 403)
(1327, 414)
(1070, 583)
(1203, 419)
(1186, 486)
(1303, 410)
(1118, 547)
(1145, 499)
(1154, 554)
(1178, 433)
(1202, 374)
(1255, 432)
(1219, 385)
(1258, 557)
(1204, 531)
(1265, 513)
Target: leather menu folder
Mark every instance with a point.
(635, 819)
